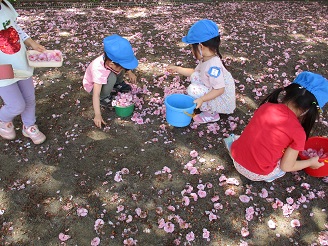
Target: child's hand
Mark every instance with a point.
(34, 45)
(199, 102)
(98, 120)
(38, 47)
(315, 164)
(132, 77)
(172, 69)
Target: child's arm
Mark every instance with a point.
(289, 162)
(181, 70)
(34, 45)
(96, 105)
(132, 76)
(209, 96)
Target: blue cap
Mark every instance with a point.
(201, 31)
(316, 84)
(119, 50)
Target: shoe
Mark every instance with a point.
(106, 102)
(228, 141)
(206, 117)
(7, 130)
(33, 133)
(278, 175)
(122, 87)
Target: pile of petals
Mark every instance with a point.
(312, 153)
(124, 99)
(54, 55)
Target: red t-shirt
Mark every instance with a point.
(273, 128)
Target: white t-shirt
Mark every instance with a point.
(12, 47)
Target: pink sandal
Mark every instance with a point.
(206, 117)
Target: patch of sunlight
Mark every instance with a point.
(247, 101)
(298, 36)
(308, 238)
(41, 175)
(98, 135)
(211, 161)
(43, 100)
(77, 11)
(283, 226)
(182, 44)
(319, 217)
(273, 26)
(243, 59)
(52, 205)
(148, 68)
(64, 34)
(136, 12)
(262, 231)
(110, 200)
(19, 234)
(4, 202)
(149, 205)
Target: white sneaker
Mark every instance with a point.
(7, 130)
(33, 133)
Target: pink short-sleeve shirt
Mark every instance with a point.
(95, 73)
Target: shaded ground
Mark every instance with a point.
(44, 189)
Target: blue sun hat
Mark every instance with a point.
(201, 31)
(316, 84)
(119, 50)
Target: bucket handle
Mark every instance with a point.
(190, 115)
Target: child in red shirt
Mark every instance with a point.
(270, 143)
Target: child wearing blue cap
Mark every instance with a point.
(212, 85)
(270, 143)
(106, 73)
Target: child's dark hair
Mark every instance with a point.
(301, 99)
(106, 58)
(213, 44)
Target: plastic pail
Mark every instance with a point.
(124, 111)
(179, 109)
(316, 143)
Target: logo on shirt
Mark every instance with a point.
(214, 72)
(9, 39)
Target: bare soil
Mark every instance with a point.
(42, 187)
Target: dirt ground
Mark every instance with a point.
(138, 180)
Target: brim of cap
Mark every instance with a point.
(130, 65)
(127, 65)
(184, 39)
(200, 40)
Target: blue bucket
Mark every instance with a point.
(179, 109)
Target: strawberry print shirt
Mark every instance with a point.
(12, 47)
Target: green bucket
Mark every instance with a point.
(124, 111)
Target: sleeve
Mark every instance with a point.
(215, 76)
(298, 140)
(96, 72)
(23, 36)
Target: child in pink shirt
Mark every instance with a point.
(106, 73)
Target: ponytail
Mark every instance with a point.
(273, 96)
(300, 98)
(214, 45)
